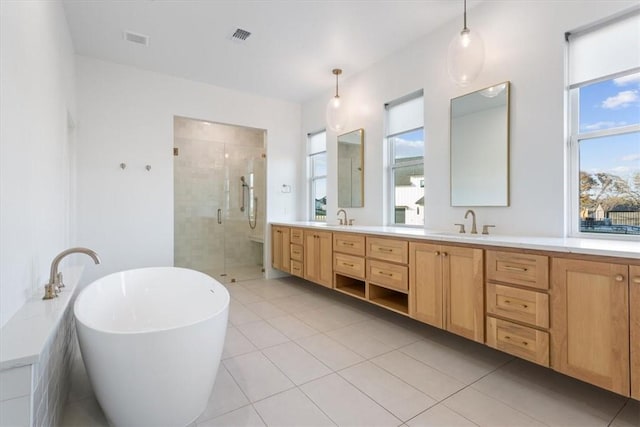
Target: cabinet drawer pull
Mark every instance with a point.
(347, 244)
(509, 302)
(507, 337)
(384, 273)
(437, 253)
(636, 280)
(510, 268)
(619, 278)
(385, 250)
(444, 254)
(347, 264)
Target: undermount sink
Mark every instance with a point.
(456, 234)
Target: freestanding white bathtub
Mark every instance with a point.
(151, 340)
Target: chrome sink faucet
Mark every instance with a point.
(52, 288)
(345, 222)
(474, 230)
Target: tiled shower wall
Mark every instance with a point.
(211, 159)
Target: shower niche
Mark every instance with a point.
(219, 199)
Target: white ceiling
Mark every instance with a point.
(293, 47)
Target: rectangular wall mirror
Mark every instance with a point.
(351, 169)
(480, 147)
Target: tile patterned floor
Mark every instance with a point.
(297, 354)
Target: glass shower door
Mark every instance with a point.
(219, 199)
(244, 218)
(199, 205)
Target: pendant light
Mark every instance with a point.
(466, 55)
(336, 112)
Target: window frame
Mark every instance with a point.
(574, 139)
(393, 165)
(311, 174)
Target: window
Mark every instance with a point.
(405, 138)
(604, 112)
(318, 175)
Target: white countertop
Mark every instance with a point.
(602, 247)
(24, 336)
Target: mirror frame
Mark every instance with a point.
(361, 132)
(507, 202)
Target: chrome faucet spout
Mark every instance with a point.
(345, 217)
(55, 279)
(474, 230)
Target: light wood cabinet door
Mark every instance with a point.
(634, 306)
(280, 251)
(318, 257)
(425, 284)
(463, 291)
(590, 322)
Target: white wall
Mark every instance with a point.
(37, 95)
(524, 43)
(126, 116)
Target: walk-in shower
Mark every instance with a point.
(219, 199)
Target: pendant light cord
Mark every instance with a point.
(465, 15)
(337, 72)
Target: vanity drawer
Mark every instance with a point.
(520, 305)
(522, 341)
(520, 269)
(390, 276)
(297, 236)
(297, 268)
(296, 252)
(348, 264)
(348, 243)
(388, 249)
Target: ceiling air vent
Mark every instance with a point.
(240, 35)
(136, 38)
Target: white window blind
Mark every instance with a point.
(404, 116)
(317, 142)
(605, 50)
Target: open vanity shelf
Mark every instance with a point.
(389, 298)
(350, 286)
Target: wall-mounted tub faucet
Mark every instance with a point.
(52, 288)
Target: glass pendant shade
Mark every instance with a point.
(493, 91)
(336, 115)
(466, 57)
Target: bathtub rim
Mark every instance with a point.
(209, 317)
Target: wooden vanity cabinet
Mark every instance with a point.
(634, 312)
(318, 257)
(297, 252)
(387, 273)
(446, 288)
(518, 304)
(590, 322)
(280, 248)
(349, 264)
